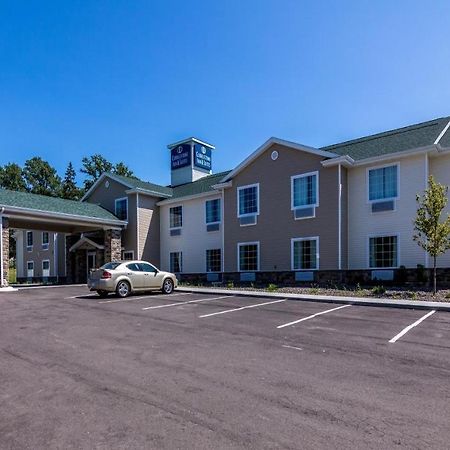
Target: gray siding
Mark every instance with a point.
(276, 225)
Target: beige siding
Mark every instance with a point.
(276, 224)
(194, 240)
(440, 168)
(148, 229)
(363, 223)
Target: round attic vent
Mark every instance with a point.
(107, 184)
(274, 155)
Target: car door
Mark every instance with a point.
(152, 279)
(136, 276)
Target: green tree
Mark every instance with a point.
(122, 169)
(431, 232)
(41, 177)
(69, 189)
(11, 177)
(95, 165)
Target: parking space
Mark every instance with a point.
(191, 370)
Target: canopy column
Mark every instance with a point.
(113, 245)
(4, 252)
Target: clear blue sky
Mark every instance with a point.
(125, 78)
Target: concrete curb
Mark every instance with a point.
(7, 289)
(362, 301)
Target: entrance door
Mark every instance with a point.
(91, 262)
(45, 268)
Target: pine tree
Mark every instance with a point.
(69, 189)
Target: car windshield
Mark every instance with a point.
(111, 265)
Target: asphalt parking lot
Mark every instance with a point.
(213, 371)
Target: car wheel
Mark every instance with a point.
(102, 294)
(167, 287)
(123, 289)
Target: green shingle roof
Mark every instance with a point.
(151, 188)
(198, 187)
(394, 141)
(53, 204)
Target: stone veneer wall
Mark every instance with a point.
(113, 245)
(402, 277)
(5, 256)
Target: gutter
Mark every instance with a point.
(40, 212)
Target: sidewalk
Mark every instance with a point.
(363, 301)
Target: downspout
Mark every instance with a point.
(427, 173)
(339, 218)
(55, 256)
(138, 256)
(223, 231)
(2, 210)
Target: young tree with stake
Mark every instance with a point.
(432, 233)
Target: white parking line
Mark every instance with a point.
(240, 309)
(409, 327)
(291, 346)
(185, 303)
(311, 317)
(81, 296)
(158, 297)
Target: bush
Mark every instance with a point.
(448, 295)
(230, 285)
(378, 290)
(272, 287)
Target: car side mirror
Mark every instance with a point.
(156, 272)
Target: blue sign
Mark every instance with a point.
(202, 157)
(180, 156)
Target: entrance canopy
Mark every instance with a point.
(39, 212)
(22, 210)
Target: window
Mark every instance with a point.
(29, 241)
(128, 255)
(383, 252)
(176, 217)
(305, 190)
(176, 262)
(30, 269)
(213, 211)
(383, 183)
(248, 257)
(248, 200)
(305, 253)
(46, 268)
(134, 267)
(45, 240)
(121, 205)
(146, 267)
(214, 260)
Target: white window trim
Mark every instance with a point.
(181, 260)
(28, 262)
(377, 235)
(368, 169)
(115, 205)
(206, 260)
(206, 216)
(182, 218)
(315, 205)
(49, 267)
(29, 247)
(240, 188)
(47, 245)
(239, 245)
(313, 238)
(128, 251)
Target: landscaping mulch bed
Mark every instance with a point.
(374, 292)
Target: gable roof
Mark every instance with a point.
(394, 141)
(42, 203)
(273, 140)
(201, 186)
(132, 183)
